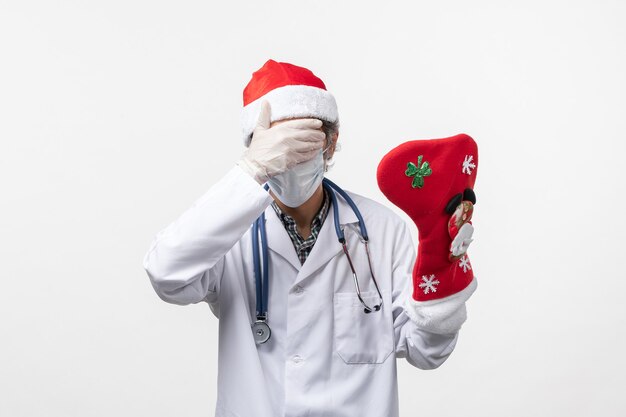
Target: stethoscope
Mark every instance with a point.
(260, 329)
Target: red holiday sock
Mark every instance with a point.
(432, 181)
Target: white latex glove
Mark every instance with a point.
(273, 150)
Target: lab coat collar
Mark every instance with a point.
(326, 246)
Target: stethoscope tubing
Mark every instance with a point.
(261, 296)
(350, 202)
(262, 269)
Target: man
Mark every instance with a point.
(325, 355)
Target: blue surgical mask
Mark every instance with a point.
(296, 185)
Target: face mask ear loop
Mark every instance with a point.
(324, 157)
(327, 148)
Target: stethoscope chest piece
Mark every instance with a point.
(261, 331)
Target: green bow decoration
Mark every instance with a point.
(418, 172)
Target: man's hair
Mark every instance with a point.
(330, 129)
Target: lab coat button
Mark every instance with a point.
(297, 358)
(298, 290)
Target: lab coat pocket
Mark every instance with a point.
(362, 337)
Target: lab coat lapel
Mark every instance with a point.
(326, 245)
(278, 239)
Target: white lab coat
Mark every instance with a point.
(325, 357)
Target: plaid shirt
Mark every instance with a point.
(303, 246)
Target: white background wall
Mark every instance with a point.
(115, 116)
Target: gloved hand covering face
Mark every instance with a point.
(274, 150)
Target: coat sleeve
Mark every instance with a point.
(425, 333)
(185, 261)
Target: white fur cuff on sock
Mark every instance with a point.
(441, 316)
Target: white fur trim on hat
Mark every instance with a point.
(287, 102)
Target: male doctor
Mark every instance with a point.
(325, 355)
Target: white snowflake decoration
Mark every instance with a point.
(468, 165)
(429, 283)
(464, 263)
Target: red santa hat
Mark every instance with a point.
(292, 91)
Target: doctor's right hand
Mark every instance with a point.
(274, 150)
